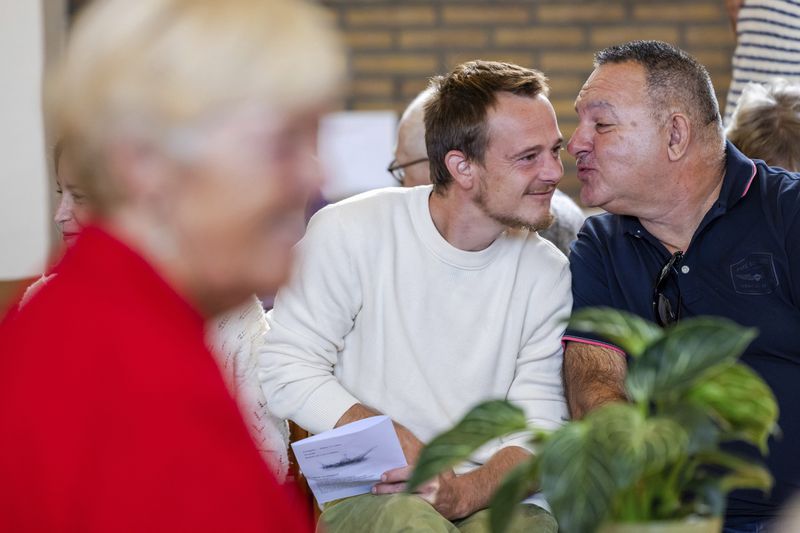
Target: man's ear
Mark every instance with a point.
(680, 132)
(460, 168)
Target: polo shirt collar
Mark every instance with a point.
(740, 171)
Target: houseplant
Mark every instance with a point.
(653, 460)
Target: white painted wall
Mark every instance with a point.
(355, 148)
(24, 181)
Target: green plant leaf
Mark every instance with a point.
(709, 499)
(742, 473)
(751, 477)
(699, 426)
(586, 466)
(636, 445)
(517, 484)
(576, 478)
(673, 363)
(487, 421)
(740, 401)
(626, 330)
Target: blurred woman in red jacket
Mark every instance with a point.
(192, 126)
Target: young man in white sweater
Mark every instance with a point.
(419, 303)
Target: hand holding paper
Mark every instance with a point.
(442, 492)
(350, 459)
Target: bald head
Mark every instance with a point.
(411, 141)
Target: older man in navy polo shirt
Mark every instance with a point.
(724, 230)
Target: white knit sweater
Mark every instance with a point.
(382, 310)
(235, 338)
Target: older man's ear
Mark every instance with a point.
(680, 132)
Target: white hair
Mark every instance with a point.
(157, 68)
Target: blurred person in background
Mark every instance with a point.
(72, 213)
(766, 123)
(411, 168)
(234, 337)
(767, 44)
(191, 127)
(789, 521)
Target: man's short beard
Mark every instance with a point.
(511, 221)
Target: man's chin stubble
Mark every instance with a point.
(518, 223)
(509, 221)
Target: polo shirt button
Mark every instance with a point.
(685, 269)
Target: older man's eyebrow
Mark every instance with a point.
(603, 104)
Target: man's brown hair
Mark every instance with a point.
(455, 115)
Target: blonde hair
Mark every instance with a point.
(766, 123)
(151, 68)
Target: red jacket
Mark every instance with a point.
(114, 416)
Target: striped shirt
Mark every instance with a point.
(768, 46)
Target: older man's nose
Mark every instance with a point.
(579, 142)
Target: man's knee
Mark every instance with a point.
(528, 518)
(532, 518)
(390, 514)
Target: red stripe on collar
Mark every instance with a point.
(752, 177)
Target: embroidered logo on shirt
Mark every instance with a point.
(755, 274)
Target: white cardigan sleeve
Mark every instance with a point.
(235, 338)
(308, 325)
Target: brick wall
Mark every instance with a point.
(396, 45)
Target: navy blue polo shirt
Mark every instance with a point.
(743, 263)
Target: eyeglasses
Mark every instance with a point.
(398, 171)
(663, 310)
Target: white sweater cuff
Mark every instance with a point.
(324, 407)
